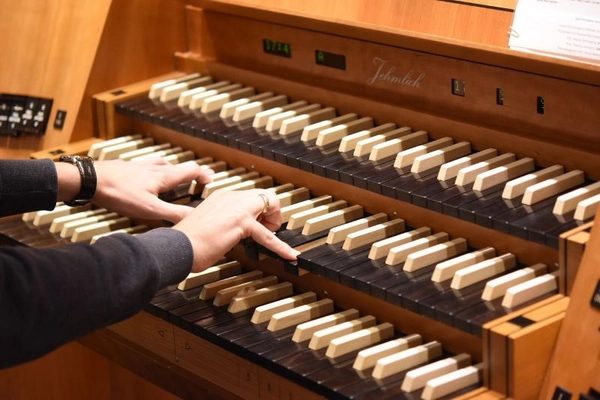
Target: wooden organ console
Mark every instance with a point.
(431, 179)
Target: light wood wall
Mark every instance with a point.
(68, 50)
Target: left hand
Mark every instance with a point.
(131, 188)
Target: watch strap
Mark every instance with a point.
(85, 165)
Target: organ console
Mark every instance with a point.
(440, 227)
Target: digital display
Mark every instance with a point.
(277, 48)
(330, 59)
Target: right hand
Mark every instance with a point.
(225, 218)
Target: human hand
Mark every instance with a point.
(131, 188)
(225, 218)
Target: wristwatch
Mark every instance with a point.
(88, 179)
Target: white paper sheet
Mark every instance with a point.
(561, 28)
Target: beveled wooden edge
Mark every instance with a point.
(153, 367)
(486, 54)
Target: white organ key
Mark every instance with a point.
(132, 230)
(68, 228)
(298, 219)
(305, 330)
(587, 208)
(258, 297)
(350, 141)
(214, 103)
(293, 196)
(406, 359)
(399, 254)
(504, 173)
(157, 88)
(249, 110)
(45, 217)
(446, 269)
(452, 382)
(228, 109)
(365, 146)
(407, 157)
(381, 248)
(211, 274)
(394, 146)
(96, 148)
(367, 358)
(274, 122)
(221, 175)
(112, 152)
(336, 133)
(517, 187)
(439, 252)
(417, 378)
(211, 187)
(143, 151)
(197, 101)
(156, 154)
(551, 187)
(340, 233)
(331, 219)
(359, 340)
(181, 157)
(311, 132)
(262, 118)
(529, 290)
(568, 201)
(438, 157)
(185, 98)
(211, 289)
(288, 211)
(373, 233)
(497, 288)
(219, 171)
(265, 312)
(322, 338)
(30, 216)
(263, 182)
(450, 169)
(283, 188)
(300, 314)
(483, 270)
(297, 123)
(172, 92)
(469, 174)
(59, 222)
(85, 233)
(225, 295)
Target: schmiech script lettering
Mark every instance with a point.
(387, 73)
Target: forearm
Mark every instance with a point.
(27, 185)
(52, 296)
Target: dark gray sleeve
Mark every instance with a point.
(52, 296)
(27, 185)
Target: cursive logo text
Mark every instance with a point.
(387, 73)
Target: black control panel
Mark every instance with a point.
(23, 115)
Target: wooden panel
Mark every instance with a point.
(70, 50)
(52, 57)
(574, 365)
(430, 17)
(74, 372)
(150, 332)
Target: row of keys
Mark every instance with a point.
(425, 272)
(351, 355)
